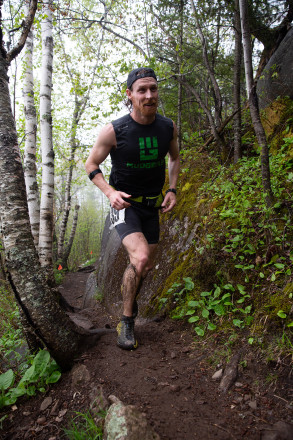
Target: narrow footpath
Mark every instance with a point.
(169, 378)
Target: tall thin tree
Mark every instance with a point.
(30, 169)
(236, 84)
(253, 102)
(47, 193)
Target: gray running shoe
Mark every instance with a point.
(125, 330)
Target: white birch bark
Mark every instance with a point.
(30, 169)
(47, 194)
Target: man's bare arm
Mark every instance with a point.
(173, 170)
(100, 151)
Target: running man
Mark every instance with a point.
(137, 143)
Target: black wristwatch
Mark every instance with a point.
(173, 190)
(93, 173)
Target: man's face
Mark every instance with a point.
(144, 96)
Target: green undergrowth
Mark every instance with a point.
(237, 272)
(21, 373)
(85, 427)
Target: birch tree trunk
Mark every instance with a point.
(236, 84)
(66, 252)
(47, 193)
(79, 108)
(48, 322)
(253, 103)
(30, 169)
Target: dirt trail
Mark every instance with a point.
(169, 378)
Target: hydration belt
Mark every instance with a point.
(150, 202)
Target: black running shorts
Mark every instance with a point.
(140, 218)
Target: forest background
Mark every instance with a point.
(69, 80)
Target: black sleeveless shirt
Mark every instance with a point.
(138, 161)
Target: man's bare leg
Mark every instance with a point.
(140, 254)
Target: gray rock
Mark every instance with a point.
(125, 422)
(46, 403)
(252, 404)
(277, 77)
(218, 374)
(90, 291)
(80, 375)
(279, 431)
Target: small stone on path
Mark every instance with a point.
(46, 403)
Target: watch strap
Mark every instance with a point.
(173, 190)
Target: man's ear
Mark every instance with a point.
(128, 93)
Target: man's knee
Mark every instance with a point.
(142, 262)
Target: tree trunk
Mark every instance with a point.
(253, 103)
(215, 86)
(179, 56)
(66, 253)
(30, 169)
(78, 111)
(236, 84)
(47, 195)
(216, 135)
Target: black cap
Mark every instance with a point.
(141, 72)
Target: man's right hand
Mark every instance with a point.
(117, 200)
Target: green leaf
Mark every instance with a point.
(205, 313)
(190, 312)
(211, 326)
(205, 293)
(279, 265)
(193, 319)
(217, 292)
(237, 322)
(189, 284)
(193, 304)
(199, 331)
(290, 324)
(41, 361)
(241, 288)
(261, 275)
(282, 314)
(219, 310)
(28, 375)
(273, 277)
(55, 376)
(6, 380)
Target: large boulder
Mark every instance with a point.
(277, 77)
(176, 237)
(125, 422)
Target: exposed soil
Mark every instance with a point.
(169, 378)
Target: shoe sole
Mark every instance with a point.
(124, 347)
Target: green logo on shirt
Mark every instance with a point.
(148, 148)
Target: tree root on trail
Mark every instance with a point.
(230, 373)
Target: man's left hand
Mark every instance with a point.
(169, 202)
